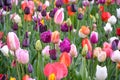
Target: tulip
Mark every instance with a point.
(89, 55)
(118, 2)
(94, 37)
(114, 44)
(30, 68)
(97, 51)
(80, 16)
(118, 13)
(118, 45)
(22, 56)
(105, 16)
(45, 51)
(53, 55)
(70, 12)
(86, 41)
(59, 16)
(73, 50)
(118, 31)
(65, 27)
(1, 35)
(27, 77)
(15, 18)
(108, 28)
(102, 56)
(112, 20)
(112, 39)
(84, 31)
(84, 50)
(65, 45)
(101, 73)
(5, 50)
(55, 70)
(38, 45)
(115, 57)
(55, 37)
(13, 41)
(47, 3)
(107, 48)
(59, 3)
(46, 37)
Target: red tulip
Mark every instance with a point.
(1, 34)
(118, 31)
(87, 41)
(13, 41)
(105, 16)
(26, 77)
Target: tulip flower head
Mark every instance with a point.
(101, 73)
(94, 37)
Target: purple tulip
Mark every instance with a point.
(65, 45)
(30, 68)
(52, 53)
(94, 37)
(65, 27)
(101, 1)
(46, 36)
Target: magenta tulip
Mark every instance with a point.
(94, 37)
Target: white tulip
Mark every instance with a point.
(5, 50)
(112, 39)
(101, 73)
(112, 20)
(116, 56)
(118, 13)
(108, 27)
(17, 19)
(47, 3)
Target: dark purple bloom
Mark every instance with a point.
(114, 44)
(85, 3)
(39, 8)
(101, 1)
(15, 26)
(42, 28)
(74, 8)
(43, 13)
(52, 53)
(65, 45)
(30, 68)
(7, 2)
(27, 10)
(89, 55)
(52, 12)
(46, 36)
(59, 3)
(1, 3)
(25, 42)
(65, 28)
(80, 16)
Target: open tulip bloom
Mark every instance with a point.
(59, 39)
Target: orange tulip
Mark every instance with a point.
(55, 37)
(65, 1)
(28, 17)
(70, 13)
(65, 58)
(85, 30)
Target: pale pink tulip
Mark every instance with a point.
(22, 56)
(13, 41)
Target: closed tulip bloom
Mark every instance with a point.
(101, 73)
(13, 41)
(118, 31)
(45, 51)
(22, 56)
(46, 37)
(118, 45)
(102, 56)
(118, 13)
(105, 16)
(55, 37)
(38, 45)
(59, 16)
(94, 37)
(112, 20)
(118, 2)
(84, 50)
(73, 50)
(97, 51)
(65, 45)
(53, 54)
(65, 59)
(87, 42)
(5, 50)
(115, 57)
(30, 68)
(108, 28)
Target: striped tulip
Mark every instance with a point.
(13, 41)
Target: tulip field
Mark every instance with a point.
(59, 39)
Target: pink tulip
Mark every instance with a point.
(107, 48)
(118, 2)
(118, 45)
(57, 68)
(22, 56)
(59, 16)
(73, 51)
(13, 41)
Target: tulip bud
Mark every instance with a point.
(15, 26)
(101, 73)
(80, 16)
(108, 28)
(118, 45)
(73, 50)
(118, 13)
(25, 42)
(38, 45)
(45, 51)
(30, 68)
(112, 20)
(5, 50)
(118, 31)
(115, 57)
(53, 55)
(43, 13)
(13, 41)
(84, 50)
